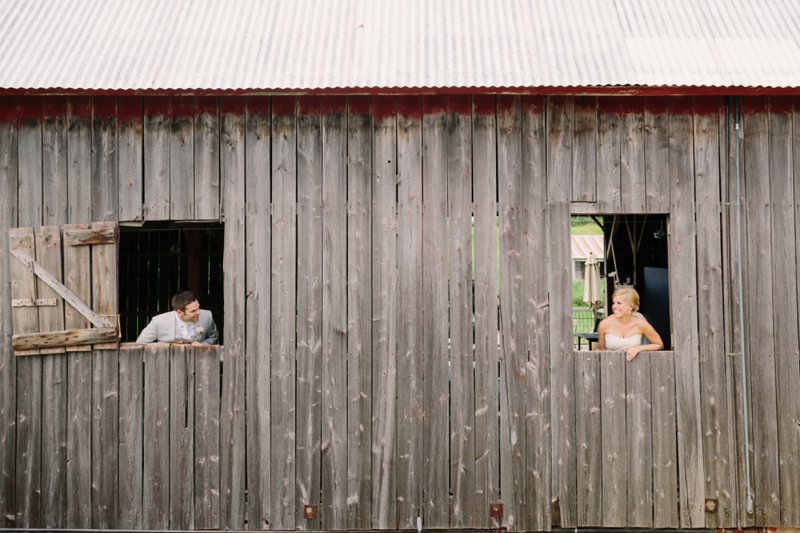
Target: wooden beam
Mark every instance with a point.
(30, 302)
(69, 337)
(106, 234)
(63, 291)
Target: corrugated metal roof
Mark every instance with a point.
(583, 245)
(275, 45)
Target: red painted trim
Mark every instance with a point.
(183, 107)
(283, 105)
(104, 107)
(335, 105)
(409, 106)
(309, 105)
(780, 104)
(484, 104)
(232, 105)
(384, 107)
(434, 105)
(130, 109)
(54, 107)
(656, 105)
(8, 108)
(256, 106)
(706, 106)
(624, 90)
(359, 105)
(209, 105)
(30, 109)
(533, 104)
(753, 105)
(681, 105)
(460, 104)
(158, 106)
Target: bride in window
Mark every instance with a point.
(624, 330)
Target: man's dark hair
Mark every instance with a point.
(182, 299)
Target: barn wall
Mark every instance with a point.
(366, 243)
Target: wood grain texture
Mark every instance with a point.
(633, 187)
(608, 155)
(156, 471)
(718, 432)
(537, 374)
(257, 312)
(758, 282)
(335, 334)
(157, 119)
(359, 318)
(559, 157)
(8, 364)
(639, 434)
(309, 308)
(665, 452)
(181, 159)
(207, 368)
(614, 439)
(683, 296)
(79, 153)
(436, 459)
(105, 162)
(131, 437)
(485, 273)
(54, 161)
(584, 153)
(409, 321)
(105, 438)
(284, 258)
(656, 154)
(785, 305)
(588, 439)
(206, 155)
(462, 393)
(181, 437)
(130, 157)
(232, 416)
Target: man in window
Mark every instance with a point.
(187, 324)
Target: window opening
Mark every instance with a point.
(161, 258)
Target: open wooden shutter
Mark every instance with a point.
(64, 287)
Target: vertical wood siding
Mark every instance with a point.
(397, 326)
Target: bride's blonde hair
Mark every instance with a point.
(629, 296)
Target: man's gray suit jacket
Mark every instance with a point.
(162, 328)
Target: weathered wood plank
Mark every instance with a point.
(588, 439)
(584, 152)
(54, 160)
(537, 507)
(760, 315)
(181, 159)
(333, 508)
(309, 308)
(608, 155)
(155, 496)
(785, 305)
(462, 384)
(104, 234)
(718, 434)
(559, 158)
(257, 306)
(54, 385)
(79, 152)
(513, 335)
(485, 272)
(384, 312)
(633, 189)
(8, 364)
(232, 416)
(284, 260)
(434, 306)
(614, 440)
(206, 438)
(77, 277)
(130, 146)
(656, 154)
(131, 437)
(359, 321)
(409, 320)
(665, 452)
(206, 156)
(55, 341)
(181, 437)
(639, 433)
(105, 265)
(157, 118)
(29, 145)
(105, 162)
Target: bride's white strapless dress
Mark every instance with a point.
(622, 343)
